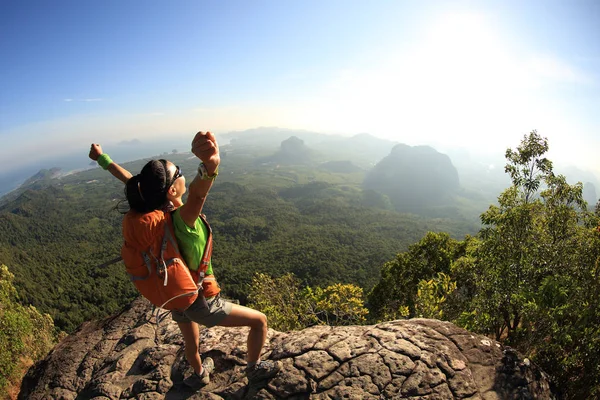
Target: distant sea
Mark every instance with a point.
(10, 180)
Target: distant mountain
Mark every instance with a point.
(574, 175)
(11, 178)
(414, 177)
(41, 179)
(268, 136)
(362, 149)
(590, 195)
(292, 151)
(43, 175)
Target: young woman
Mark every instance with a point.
(160, 186)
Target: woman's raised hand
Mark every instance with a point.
(95, 151)
(204, 146)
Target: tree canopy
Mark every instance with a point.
(304, 244)
(530, 277)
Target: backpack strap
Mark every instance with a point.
(207, 254)
(163, 247)
(147, 261)
(148, 266)
(168, 237)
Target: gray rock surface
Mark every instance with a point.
(118, 358)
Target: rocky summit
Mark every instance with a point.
(130, 356)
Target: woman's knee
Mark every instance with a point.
(244, 316)
(258, 320)
(261, 321)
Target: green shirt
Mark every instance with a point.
(191, 241)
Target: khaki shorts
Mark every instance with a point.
(216, 312)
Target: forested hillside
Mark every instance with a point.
(530, 278)
(267, 218)
(310, 236)
(25, 335)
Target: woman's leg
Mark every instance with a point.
(257, 321)
(191, 336)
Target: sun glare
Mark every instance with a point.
(455, 81)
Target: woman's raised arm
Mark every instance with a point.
(205, 147)
(105, 162)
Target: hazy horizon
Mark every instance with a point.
(447, 74)
(466, 162)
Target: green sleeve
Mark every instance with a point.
(191, 241)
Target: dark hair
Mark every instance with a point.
(147, 191)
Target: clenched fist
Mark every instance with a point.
(95, 151)
(205, 147)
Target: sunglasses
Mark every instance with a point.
(178, 174)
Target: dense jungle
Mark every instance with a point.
(351, 238)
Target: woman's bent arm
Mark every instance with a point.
(115, 169)
(119, 172)
(205, 147)
(197, 196)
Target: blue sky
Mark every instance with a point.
(470, 74)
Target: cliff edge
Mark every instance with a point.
(120, 358)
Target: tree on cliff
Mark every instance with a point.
(531, 277)
(538, 280)
(396, 294)
(25, 334)
(289, 306)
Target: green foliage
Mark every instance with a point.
(531, 277)
(276, 220)
(338, 304)
(537, 283)
(25, 334)
(53, 241)
(526, 166)
(432, 294)
(312, 230)
(399, 283)
(282, 301)
(288, 306)
(526, 240)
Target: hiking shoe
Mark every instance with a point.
(263, 370)
(196, 381)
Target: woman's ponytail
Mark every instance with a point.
(147, 191)
(134, 195)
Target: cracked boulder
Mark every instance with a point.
(129, 356)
